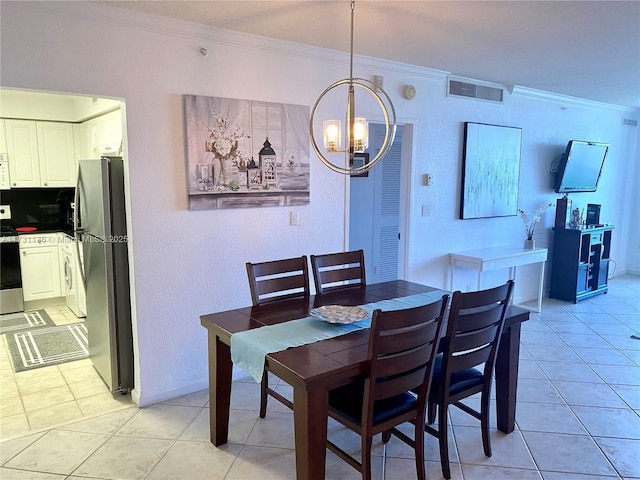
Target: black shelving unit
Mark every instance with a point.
(580, 267)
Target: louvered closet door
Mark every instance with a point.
(386, 214)
(374, 210)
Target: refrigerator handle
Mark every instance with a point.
(77, 230)
(76, 201)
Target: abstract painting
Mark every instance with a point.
(490, 171)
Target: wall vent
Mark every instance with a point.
(630, 122)
(464, 88)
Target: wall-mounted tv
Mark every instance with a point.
(580, 167)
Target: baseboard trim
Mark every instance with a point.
(147, 400)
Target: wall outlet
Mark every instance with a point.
(427, 179)
(294, 218)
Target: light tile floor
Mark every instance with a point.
(578, 418)
(45, 397)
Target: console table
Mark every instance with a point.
(496, 258)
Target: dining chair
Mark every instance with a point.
(334, 271)
(270, 282)
(465, 366)
(402, 346)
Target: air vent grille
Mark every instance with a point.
(458, 88)
(630, 122)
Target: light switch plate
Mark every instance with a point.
(5, 212)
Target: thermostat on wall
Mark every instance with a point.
(409, 92)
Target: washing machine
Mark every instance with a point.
(73, 287)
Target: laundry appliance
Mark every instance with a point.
(73, 286)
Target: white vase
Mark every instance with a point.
(529, 244)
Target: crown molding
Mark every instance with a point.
(566, 99)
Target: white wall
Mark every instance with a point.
(187, 263)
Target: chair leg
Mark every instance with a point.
(443, 433)
(484, 423)
(419, 448)
(366, 457)
(264, 384)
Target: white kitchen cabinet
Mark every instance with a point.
(41, 154)
(82, 141)
(99, 136)
(3, 138)
(40, 267)
(110, 133)
(58, 165)
(22, 148)
(105, 134)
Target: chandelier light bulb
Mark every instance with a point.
(360, 134)
(332, 138)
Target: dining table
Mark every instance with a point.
(313, 369)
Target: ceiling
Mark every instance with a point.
(584, 49)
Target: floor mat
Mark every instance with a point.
(42, 347)
(15, 322)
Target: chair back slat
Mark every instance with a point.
(471, 340)
(471, 359)
(407, 337)
(278, 280)
(334, 271)
(282, 284)
(396, 386)
(476, 318)
(392, 365)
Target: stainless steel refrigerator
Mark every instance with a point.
(100, 229)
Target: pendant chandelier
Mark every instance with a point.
(356, 134)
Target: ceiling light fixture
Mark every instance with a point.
(357, 135)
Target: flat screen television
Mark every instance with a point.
(580, 167)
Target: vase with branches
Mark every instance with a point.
(530, 220)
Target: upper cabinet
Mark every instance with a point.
(41, 154)
(3, 138)
(99, 136)
(22, 148)
(58, 166)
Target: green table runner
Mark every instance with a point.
(248, 348)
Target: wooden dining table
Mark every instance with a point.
(316, 368)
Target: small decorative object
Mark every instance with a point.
(254, 176)
(577, 217)
(359, 162)
(293, 159)
(267, 158)
(530, 222)
(339, 314)
(223, 141)
(204, 176)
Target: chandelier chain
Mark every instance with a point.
(353, 7)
